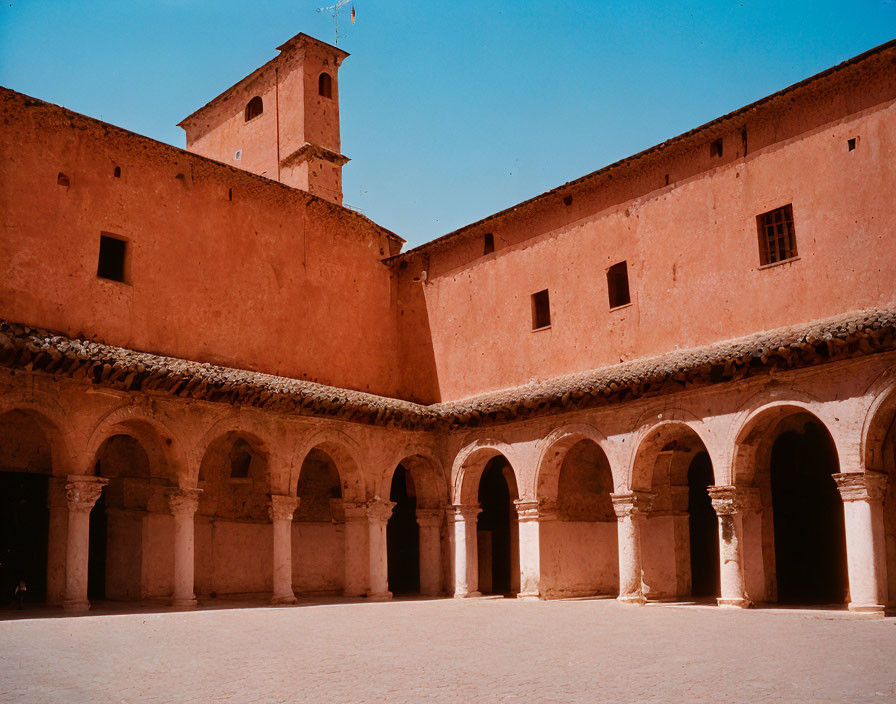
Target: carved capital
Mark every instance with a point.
(354, 512)
(429, 517)
(460, 512)
(282, 507)
(537, 510)
(81, 492)
(728, 500)
(379, 509)
(631, 504)
(861, 486)
(183, 502)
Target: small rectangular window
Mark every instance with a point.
(851, 143)
(777, 238)
(541, 310)
(111, 260)
(488, 243)
(617, 285)
(715, 149)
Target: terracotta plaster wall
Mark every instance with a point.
(579, 558)
(222, 267)
(693, 263)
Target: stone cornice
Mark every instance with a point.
(857, 334)
(309, 151)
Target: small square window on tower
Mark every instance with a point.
(112, 258)
(617, 285)
(488, 243)
(777, 238)
(541, 310)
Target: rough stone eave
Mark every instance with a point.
(856, 334)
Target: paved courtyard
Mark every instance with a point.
(449, 651)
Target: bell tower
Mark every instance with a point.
(281, 121)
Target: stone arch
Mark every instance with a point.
(793, 525)
(470, 463)
(670, 428)
(51, 417)
(553, 451)
(427, 473)
(343, 451)
(258, 436)
(167, 452)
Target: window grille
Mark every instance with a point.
(777, 239)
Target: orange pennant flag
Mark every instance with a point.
(353, 14)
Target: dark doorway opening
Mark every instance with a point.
(24, 530)
(494, 529)
(810, 541)
(96, 557)
(403, 535)
(703, 528)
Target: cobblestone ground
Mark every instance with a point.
(449, 651)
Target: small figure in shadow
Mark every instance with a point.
(20, 594)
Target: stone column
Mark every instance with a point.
(183, 504)
(429, 521)
(530, 515)
(728, 504)
(81, 493)
(466, 557)
(356, 542)
(378, 513)
(631, 510)
(57, 503)
(281, 511)
(866, 558)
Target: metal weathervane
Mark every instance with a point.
(334, 10)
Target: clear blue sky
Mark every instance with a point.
(450, 110)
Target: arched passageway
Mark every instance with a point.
(679, 538)
(888, 466)
(794, 537)
(578, 553)
(497, 531)
(403, 535)
(232, 522)
(25, 468)
(116, 561)
(703, 534)
(319, 527)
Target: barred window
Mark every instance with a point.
(254, 108)
(777, 239)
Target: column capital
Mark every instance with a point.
(728, 499)
(354, 511)
(429, 516)
(861, 486)
(183, 502)
(282, 507)
(632, 503)
(82, 491)
(462, 512)
(534, 510)
(379, 509)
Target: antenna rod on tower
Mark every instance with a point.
(335, 10)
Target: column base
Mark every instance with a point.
(385, 596)
(528, 595)
(735, 603)
(76, 605)
(633, 599)
(184, 602)
(867, 608)
(467, 595)
(283, 599)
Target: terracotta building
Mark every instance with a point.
(672, 378)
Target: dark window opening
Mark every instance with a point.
(541, 310)
(117, 172)
(254, 108)
(488, 243)
(667, 179)
(567, 200)
(777, 239)
(240, 459)
(229, 194)
(715, 149)
(851, 143)
(617, 285)
(111, 259)
(325, 85)
(743, 139)
(62, 180)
